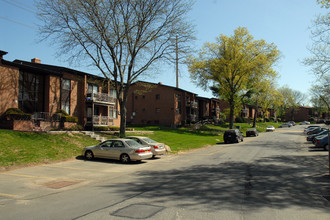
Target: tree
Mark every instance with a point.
(231, 63)
(292, 99)
(320, 94)
(122, 38)
(320, 51)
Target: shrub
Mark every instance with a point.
(101, 128)
(239, 120)
(62, 112)
(16, 114)
(66, 118)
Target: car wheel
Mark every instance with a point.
(237, 140)
(89, 155)
(124, 158)
(326, 147)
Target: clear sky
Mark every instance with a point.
(282, 22)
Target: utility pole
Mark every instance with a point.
(177, 62)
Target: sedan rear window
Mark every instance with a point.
(149, 141)
(132, 143)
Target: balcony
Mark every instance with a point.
(192, 104)
(192, 117)
(100, 120)
(101, 98)
(216, 110)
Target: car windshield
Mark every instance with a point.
(270, 127)
(149, 141)
(132, 143)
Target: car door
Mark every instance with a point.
(117, 148)
(104, 149)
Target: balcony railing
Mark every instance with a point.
(45, 116)
(216, 110)
(100, 98)
(101, 120)
(192, 117)
(192, 104)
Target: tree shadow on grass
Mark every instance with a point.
(276, 182)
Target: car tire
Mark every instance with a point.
(237, 140)
(124, 158)
(89, 155)
(326, 147)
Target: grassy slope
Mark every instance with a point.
(19, 148)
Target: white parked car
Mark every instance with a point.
(270, 128)
(125, 150)
(156, 147)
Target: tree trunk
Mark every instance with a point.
(255, 115)
(231, 114)
(122, 119)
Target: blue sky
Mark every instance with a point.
(282, 22)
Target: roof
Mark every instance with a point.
(160, 84)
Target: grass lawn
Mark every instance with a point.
(23, 148)
(187, 138)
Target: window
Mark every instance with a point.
(113, 93)
(30, 92)
(136, 97)
(112, 113)
(178, 108)
(157, 96)
(144, 97)
(65, 95)
(92, 88)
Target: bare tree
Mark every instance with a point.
(320, 53)
(123, 38)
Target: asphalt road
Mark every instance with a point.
(274, 176)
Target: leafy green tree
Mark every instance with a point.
(122, 38)
(231, 63)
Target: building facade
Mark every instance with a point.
(42, 90)
(158, 104)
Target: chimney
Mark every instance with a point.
(2, 53)
(35, 60)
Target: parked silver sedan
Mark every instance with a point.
(156, 147)
(124, 150)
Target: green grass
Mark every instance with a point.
(22, 148)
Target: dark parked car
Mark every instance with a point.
(315, 131)
(288, 125)
(313, 136)
(232, 136)
(252, 132)
(292, 122)
(322, 141)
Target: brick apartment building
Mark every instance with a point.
(158, 104)
(41, 90)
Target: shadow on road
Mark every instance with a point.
(277, 182)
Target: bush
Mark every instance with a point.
(101, 128)
(62, 112)
(16, 114)
(66, 118)
(239, 120)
